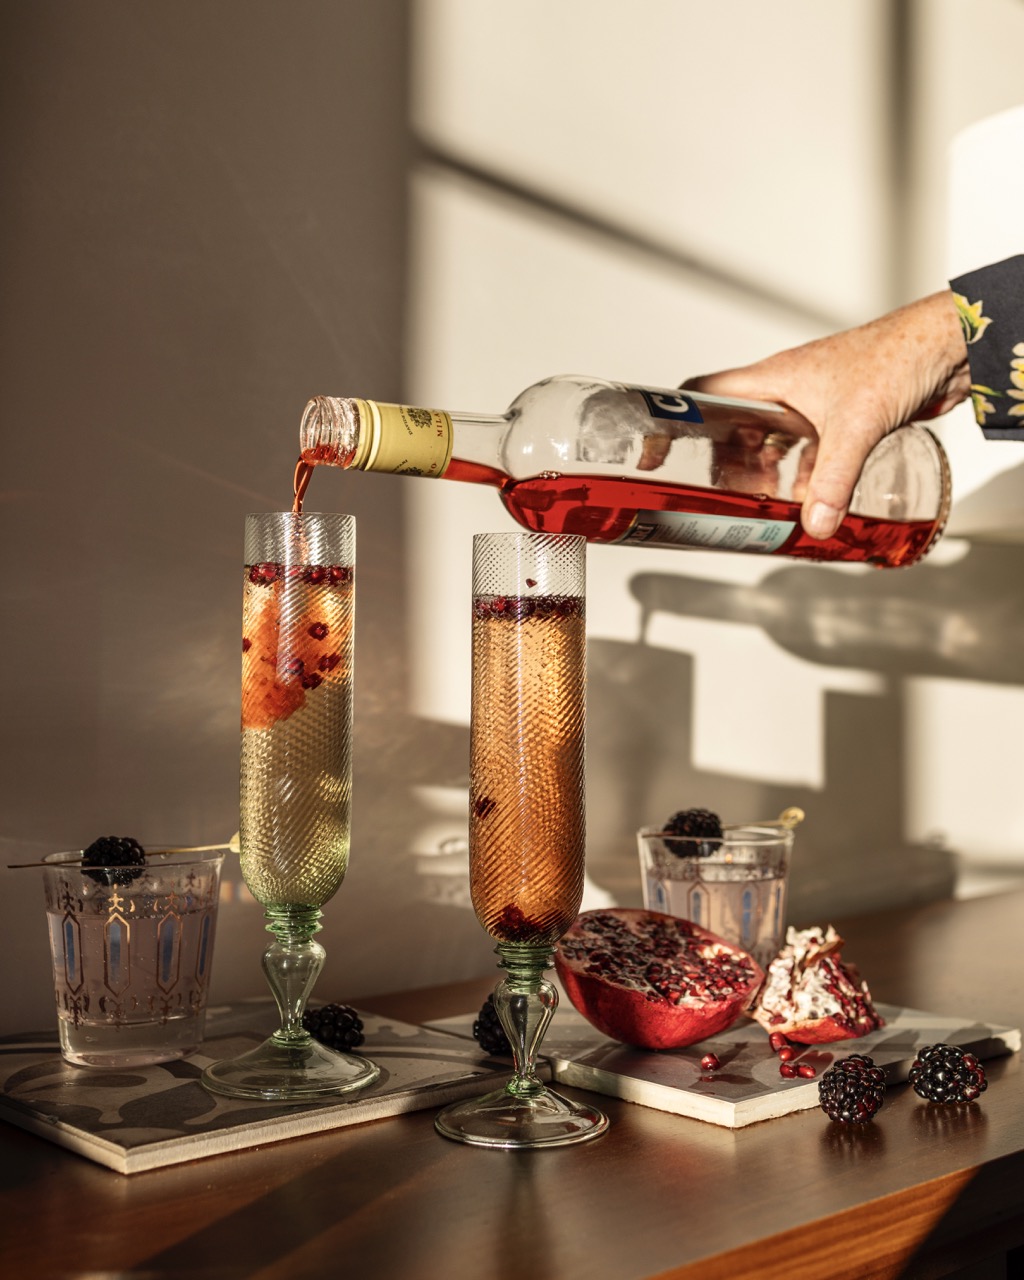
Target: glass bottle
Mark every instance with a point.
(647, 466)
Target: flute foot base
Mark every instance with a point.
(513, 1122)
(296, 1072)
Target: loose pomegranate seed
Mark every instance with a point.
(787, 1070)
(710, 1062)
(786, 1053)
(778, 1041)
(806, 1070)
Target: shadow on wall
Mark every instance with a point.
(958, 621)
(962, 620)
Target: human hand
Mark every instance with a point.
(855, 387)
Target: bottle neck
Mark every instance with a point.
(368, 435)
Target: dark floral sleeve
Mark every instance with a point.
(991, 305)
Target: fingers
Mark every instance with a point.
(836, 470)
(743, 384)
(654, 452)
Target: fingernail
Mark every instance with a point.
(822, 520)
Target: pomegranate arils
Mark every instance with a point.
(513, 925)
(318, 630)
(261, 575)
(710, 1062)
(522, 608)
(787, 1070)
(246, 644)
(653, 980)
(484, 806)
(811, 996)
(806, 1070)
(315, 574)
(778, 1041)
(312, 680)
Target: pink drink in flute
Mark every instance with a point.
(527, 766)
(527, 791)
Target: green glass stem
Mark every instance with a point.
(525, 1001)
(525, 1113)
(292, 964)
(290, 1065)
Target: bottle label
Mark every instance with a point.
(674, 406)
(405, 440)
(725, 533)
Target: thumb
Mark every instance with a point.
(837, 465)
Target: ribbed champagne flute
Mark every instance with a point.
(526, 813)
(296, 783)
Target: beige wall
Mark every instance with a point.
(204, 222)
(212, 210)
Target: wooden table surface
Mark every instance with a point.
(921, 1192)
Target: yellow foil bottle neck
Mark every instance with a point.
(403, 439)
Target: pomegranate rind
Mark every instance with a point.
(624, 1006)
(811, 996)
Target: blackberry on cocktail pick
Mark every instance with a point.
(947, 1073)
(114, 860)
(852, 1090)
(337, 1026)
(488, 1031)
(698, 825)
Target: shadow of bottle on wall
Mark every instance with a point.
(962, 620)
(850, 853)
(958, 621)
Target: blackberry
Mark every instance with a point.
(488, 1031)
(852, 1090)
(947, 1073)
(114, 860)
(337, 1026)
(698, 825)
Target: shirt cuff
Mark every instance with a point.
(990, 302)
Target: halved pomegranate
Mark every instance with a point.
(653, 980)
(811, 996)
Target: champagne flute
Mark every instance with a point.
(526, 820)
(296, 783)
